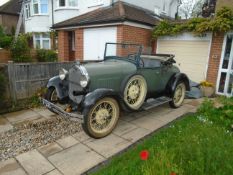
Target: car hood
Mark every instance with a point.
(110, 67)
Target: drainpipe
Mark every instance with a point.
(53, 37)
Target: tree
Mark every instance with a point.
(191, 8)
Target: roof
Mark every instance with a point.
(12, 7)
(118, 12)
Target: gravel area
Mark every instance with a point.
(30, 135)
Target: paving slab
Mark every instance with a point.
(50, 149)
(11, 167)
(54, 172)
(75, 160)
(67, 141)
(123, 127)
(136, 134)
(149, 123)
(81, 136)
(108, 146)
(45, 113)
(128, 118)
(34, 163)
(4, 125)
(21, 116)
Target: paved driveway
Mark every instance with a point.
(77, 153)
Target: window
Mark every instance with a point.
(62, 3)
(42, 41)
(67, 3)
(44, 6)
(35, 7)
(27, 11)
(40, 6)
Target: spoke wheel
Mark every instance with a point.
(102, 118)
(135, 92)
(179, 95)
(51, 95)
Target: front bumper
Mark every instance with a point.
(60, 111)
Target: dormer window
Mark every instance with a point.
(67, 3)
(27, 11)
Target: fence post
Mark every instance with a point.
(11, 76)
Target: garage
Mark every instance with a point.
(191, 53)
(95, 39)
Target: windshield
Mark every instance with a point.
(119, 50)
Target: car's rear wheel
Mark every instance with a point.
(135, 92)
(102, 118)
(178, 95)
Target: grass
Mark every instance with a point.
(199, 144)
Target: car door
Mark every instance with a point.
(153, 78)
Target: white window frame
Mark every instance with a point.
(27, 11)
(41, 39)
(39, 8)
(67, 6)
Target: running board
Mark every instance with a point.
(151, 103)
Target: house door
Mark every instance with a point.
(225, 77)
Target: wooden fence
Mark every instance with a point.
(26, 78)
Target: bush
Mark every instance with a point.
(44, 55)
(20, 50)
(5, 42)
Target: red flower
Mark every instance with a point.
(173, 173)
(144, 155)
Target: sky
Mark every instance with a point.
(3, 2)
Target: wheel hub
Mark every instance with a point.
(101, 116)
(133, 92)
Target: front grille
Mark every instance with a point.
(74, 79)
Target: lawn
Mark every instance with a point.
(198, 144)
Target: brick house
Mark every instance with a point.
(9, 15)
(84, 37)
(209, 57)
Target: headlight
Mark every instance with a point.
(84, 83)
(62, 74)
(85, 77)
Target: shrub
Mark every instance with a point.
(20, 50)
(44, 55)
(5, 41)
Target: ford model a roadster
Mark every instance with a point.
(95, 92)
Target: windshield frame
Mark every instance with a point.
(137, 57)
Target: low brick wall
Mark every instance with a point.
(5, 56)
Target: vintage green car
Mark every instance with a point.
(125, 79)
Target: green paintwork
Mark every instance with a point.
(111, 73)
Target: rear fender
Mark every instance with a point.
(92, 97)
(174, 80)
(61, 86)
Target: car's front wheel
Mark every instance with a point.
(102, 118)
(51, 95)
(178, 95)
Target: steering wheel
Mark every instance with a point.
(141, 62)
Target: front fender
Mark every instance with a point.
(61, 86)
(174, 80)
(92, 97)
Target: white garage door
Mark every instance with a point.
(191, 53)
(95, 39)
